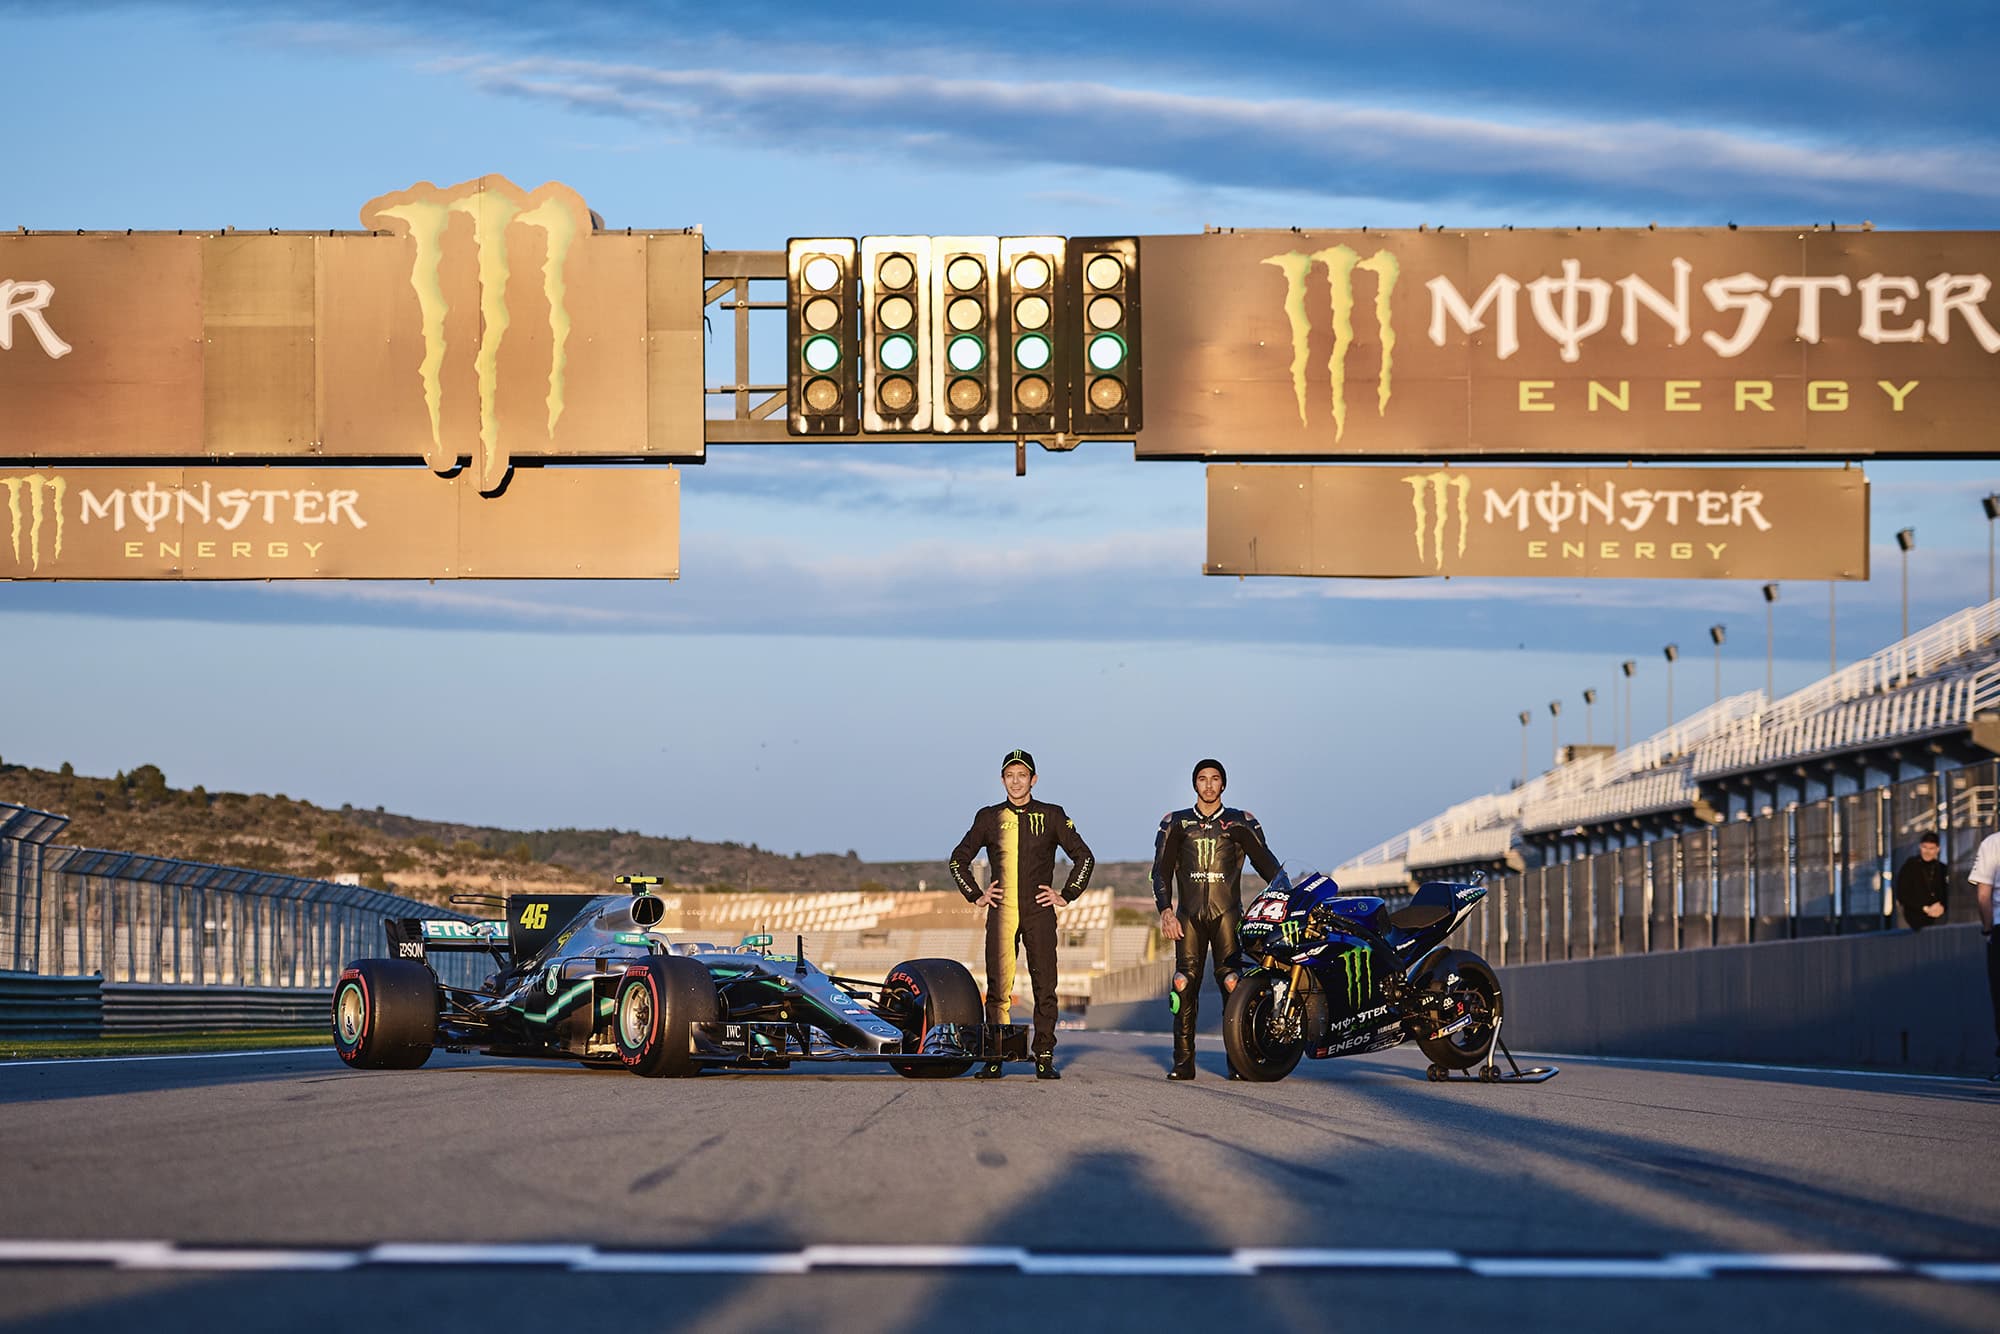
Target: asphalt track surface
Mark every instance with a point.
(1147, 1193)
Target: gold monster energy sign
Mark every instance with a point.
(1613, 344)
(1706, 523)
(476, 322)
(337, 523)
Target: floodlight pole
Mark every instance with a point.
(1770, 630)
(1626, 669)
(1991, 504)
(1906, 538)
(1672, 653)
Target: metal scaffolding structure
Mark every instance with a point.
(127, 917)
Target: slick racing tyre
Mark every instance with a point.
(1264, 1045)
(1475, 993)
(655, 1010)
(925, 993)
(385, 1014)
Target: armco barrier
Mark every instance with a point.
(1898, 1000)
(147, 1007)
(35, 1006)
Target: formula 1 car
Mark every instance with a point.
(588, 978)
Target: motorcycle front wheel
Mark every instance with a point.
(1262, 1046)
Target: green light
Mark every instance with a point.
(1032, 352)
(822, 353)
(1107, 352)
(899, 352)
(966, 353)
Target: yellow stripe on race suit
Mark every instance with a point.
(1009, 872)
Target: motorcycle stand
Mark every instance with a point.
(1491, 1073)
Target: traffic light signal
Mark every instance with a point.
(965, 300)
(820, 335)
(896, 333)
(1104, 320)
(1033, 310)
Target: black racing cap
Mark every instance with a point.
(1018, 757)
(1209, 764)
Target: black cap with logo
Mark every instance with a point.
(1018, 757)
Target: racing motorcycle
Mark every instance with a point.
(1340, 976)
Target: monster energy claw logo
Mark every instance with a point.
(1359, 964)
(1340, 262)
(1035, 822)
(45, 506)
(423, 213)
(1431, 495)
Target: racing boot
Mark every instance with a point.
(990, 1070)
(1183, 1067)
(1045, 1066)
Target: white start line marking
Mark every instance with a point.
(1243, 1262)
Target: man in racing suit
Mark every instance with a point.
(1204, 847)
(1020, 836)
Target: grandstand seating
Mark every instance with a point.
(1940, 682)
(864, 935)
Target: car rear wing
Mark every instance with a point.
(416, 937)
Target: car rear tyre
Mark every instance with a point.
(925, 993)
(656, 1008)
(385, 1014)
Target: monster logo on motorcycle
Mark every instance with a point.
(1358, 964)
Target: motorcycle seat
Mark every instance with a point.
(1417, 916)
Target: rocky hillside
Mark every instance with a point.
(140, 812)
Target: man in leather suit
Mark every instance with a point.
(1204, 847)
(1020, 836)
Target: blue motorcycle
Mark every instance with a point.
(1339, 976)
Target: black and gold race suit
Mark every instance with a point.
(1020, 844)
(1206, 854)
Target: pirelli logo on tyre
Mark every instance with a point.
(499, 209)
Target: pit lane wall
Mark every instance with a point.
(1890, 1000)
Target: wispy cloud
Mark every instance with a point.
(1337, 145)
(1710, 111)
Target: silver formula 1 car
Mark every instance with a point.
(590, 978)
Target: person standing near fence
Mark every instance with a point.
(1985, 871)
(1921, 885)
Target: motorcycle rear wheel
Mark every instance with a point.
(1254, 1052)
(1478, 990)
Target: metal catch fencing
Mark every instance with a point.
(129, 918)
(1819, 868)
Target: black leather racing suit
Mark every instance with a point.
(1020, 843)
(1206, 854)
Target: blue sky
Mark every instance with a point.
(860, 632)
